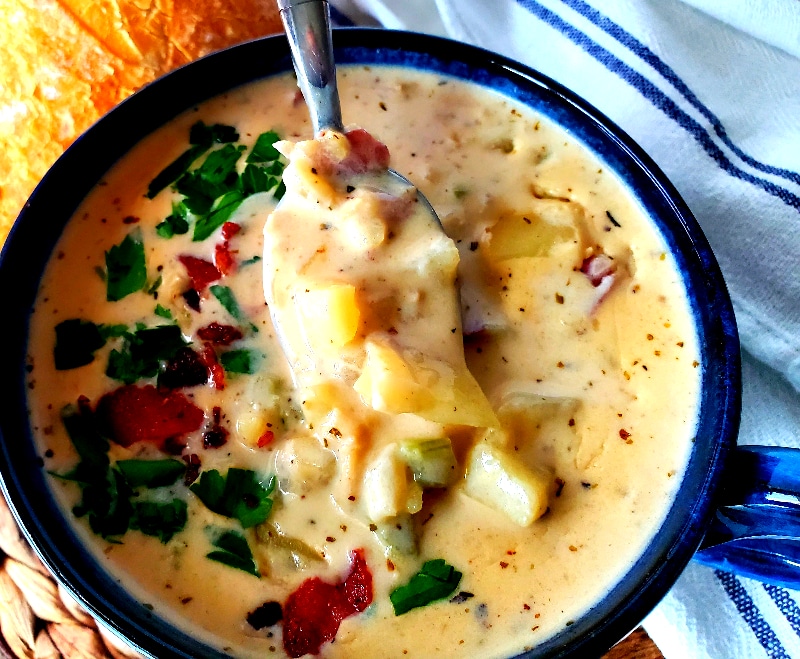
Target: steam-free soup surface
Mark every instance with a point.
(576, 332)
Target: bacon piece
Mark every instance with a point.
(312, 613)
(132, 414)
(601, 271)
(366, 153)
(224, 260)
(201, 272)
(185, 369)
(219, 335)
(598, 267)
(230, 229)
(209, 358)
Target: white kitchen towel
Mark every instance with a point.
(711, 90)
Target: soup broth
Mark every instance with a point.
(575, 326)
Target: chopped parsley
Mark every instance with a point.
(76, 342)
(233, 551)
(201, 137)
(227, 300)
(161, 520)
(151, 473)
(175, 224)
(111, 499)
(143, 352)
(219, 213)
(213, 190)
(241, 495)
(435, 581)
(163, 312)
(239, 361)
(126, 272)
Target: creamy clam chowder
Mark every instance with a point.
(340, 431)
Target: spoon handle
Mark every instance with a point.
(308, 27)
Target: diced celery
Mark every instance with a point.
(503, 482)
(432, 461)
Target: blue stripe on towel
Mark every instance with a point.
(658, 98)
(786, 604)
(644, 53)
(751, 615)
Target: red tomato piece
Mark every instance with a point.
(133, 414)
(201, 272)
(312, 613)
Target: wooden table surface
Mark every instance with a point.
(636, 646)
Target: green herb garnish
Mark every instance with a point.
(110, 500)
(234, 551)
(76, 342)
(241, 495)
(201, 137)
(163, 312)
(239, 361)
(218, 214)
(143, 352)
(175, 224)
(227, 300)
(213, 190)
(151, 473)
(264, 149)
(161, 520)
(126, 272)
(435, 581)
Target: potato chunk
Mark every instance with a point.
(330, 315)
(503, 482)
(389, 489)
(550, 226)
(387, 383)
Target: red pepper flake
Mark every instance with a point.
(312, 613)
(219, 335)
(130, 219)
(527, 607)
(503, 564)
(266, 439)
(201, 272)
(132, 414)
(624, 434)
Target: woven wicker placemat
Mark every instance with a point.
(38, 618)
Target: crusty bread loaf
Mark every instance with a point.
(64, 63)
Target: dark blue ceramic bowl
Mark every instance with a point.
(40, 224)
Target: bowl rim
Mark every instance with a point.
(66, 184)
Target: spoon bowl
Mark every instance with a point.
(308, 28)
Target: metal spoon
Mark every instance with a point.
(308, 28)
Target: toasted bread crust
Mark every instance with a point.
(64, 63)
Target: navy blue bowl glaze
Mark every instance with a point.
(40, 223)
